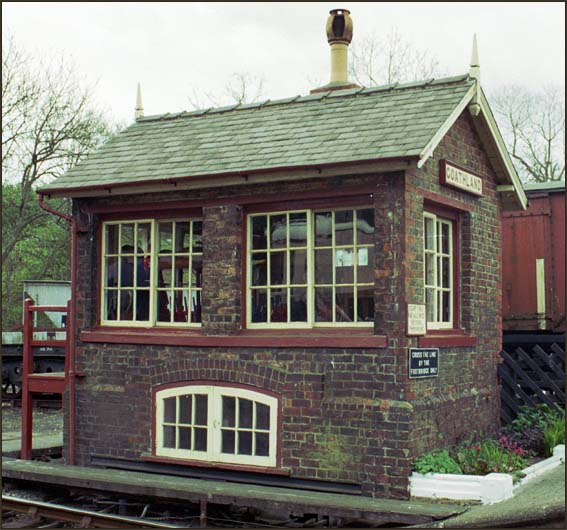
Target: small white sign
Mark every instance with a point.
(416, 319)
(457, 177)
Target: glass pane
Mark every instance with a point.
(180, 313)
(445, 307)
(244, 443)
(259, 269)
(344, 258)
(445, 238)
(197, 236)
(185, 403)
(164, 271)
(259, 240)
(429, 233)
(439, 276)
(195, 306)
(169, 436)
(365, 226)
(164, 306)
(143, 242)
(298, 229)
(343, 227)
(197, 271)
(446, 272)
(169, 410)
(278, 305)
(323, 229)
(298, 304)
(278, 268)
(278, 231)
(298, 267)
(111, 268)
(126, 271)
(165, 237)
(184, 437)
(111, 305)
(182, 236)
(262, 444)
(126, 301)
(142, 304)
(244, 413)
(344, 304)
(324, 304)
(200, 439)
(201, 406)
(430, 304)
(227, 442)
(127, 238)
(228, 411)
(111, 239)
(365, 304)
(259, 305)
(365, 269)
(262, 416)
(429, 268)
(181, 271)
(323, 266)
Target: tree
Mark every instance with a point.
(48, 125)
(241, 88)
(380, 61)
(533, 125)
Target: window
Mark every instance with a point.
(217, 424)
(438, 273)
(311, 268)
(152, 273)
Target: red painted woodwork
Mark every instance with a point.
(446, 341)
(441, 200)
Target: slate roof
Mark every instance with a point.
(339, 126)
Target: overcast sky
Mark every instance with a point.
(175, 49)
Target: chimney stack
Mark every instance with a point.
(339, 36)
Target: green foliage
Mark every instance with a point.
(488, 456)
(538, 417)
(554, 435)
(436, 462)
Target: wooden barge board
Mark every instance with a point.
(219, 492)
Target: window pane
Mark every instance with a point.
(323, 266)
(259, 240)
(298, 267)
(278, 268)
(111, 272)
(262, 416)
(365, 304)
(127, 271)
(262, 444)
(169, 410)
(259, 305)
(144, 237)
(278, 305)
(244, 413)
(182, 236)
(126, 300)
(298, 229)
(227, 442)
(324, 304)
(181, 307)
(298, 304)
(244, 443)
(344, 304)
(323, 229)
(163, 301)
(165, 237)
(429, 268)
(429, 233)
(430, 304)
(344, 272)
(228, 411)
(197, 271)
(126, 238)
(278, 232)
(259, 268)
(142, 305)
(195, 306)
(446, 272)
(184, 437)
(343, 227)
(181, 271)
(111, 239)
(185, 403)
(201, 407)
(200, 439)
(111, 305)
(439, 276)
(445, 313)
(365, 226)
(164, 268)
(169, 436)
(445, 238)
(197, 236)
(365, 269)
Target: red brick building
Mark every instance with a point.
(309, 287)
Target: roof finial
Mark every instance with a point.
(139, 110)
(474, 71)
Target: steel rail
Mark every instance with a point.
(85, 518)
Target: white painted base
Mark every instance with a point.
(488, 489)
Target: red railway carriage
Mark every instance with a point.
(534, 262)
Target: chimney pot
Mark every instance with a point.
(339, 26)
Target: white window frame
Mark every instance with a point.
(153, 287)
(311, 322)
(438, 254)
(214, 394)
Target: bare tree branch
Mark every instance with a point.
(241, 88)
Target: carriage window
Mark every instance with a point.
(152, 273)
(217, 423)
(311, 268)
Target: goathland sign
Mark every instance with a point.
(457, 177)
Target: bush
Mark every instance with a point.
(554, 435)
(486, 457)
(436, 462)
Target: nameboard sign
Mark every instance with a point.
(416, 319)
(423, 362)
(454, 176)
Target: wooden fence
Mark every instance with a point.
(530, 374)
